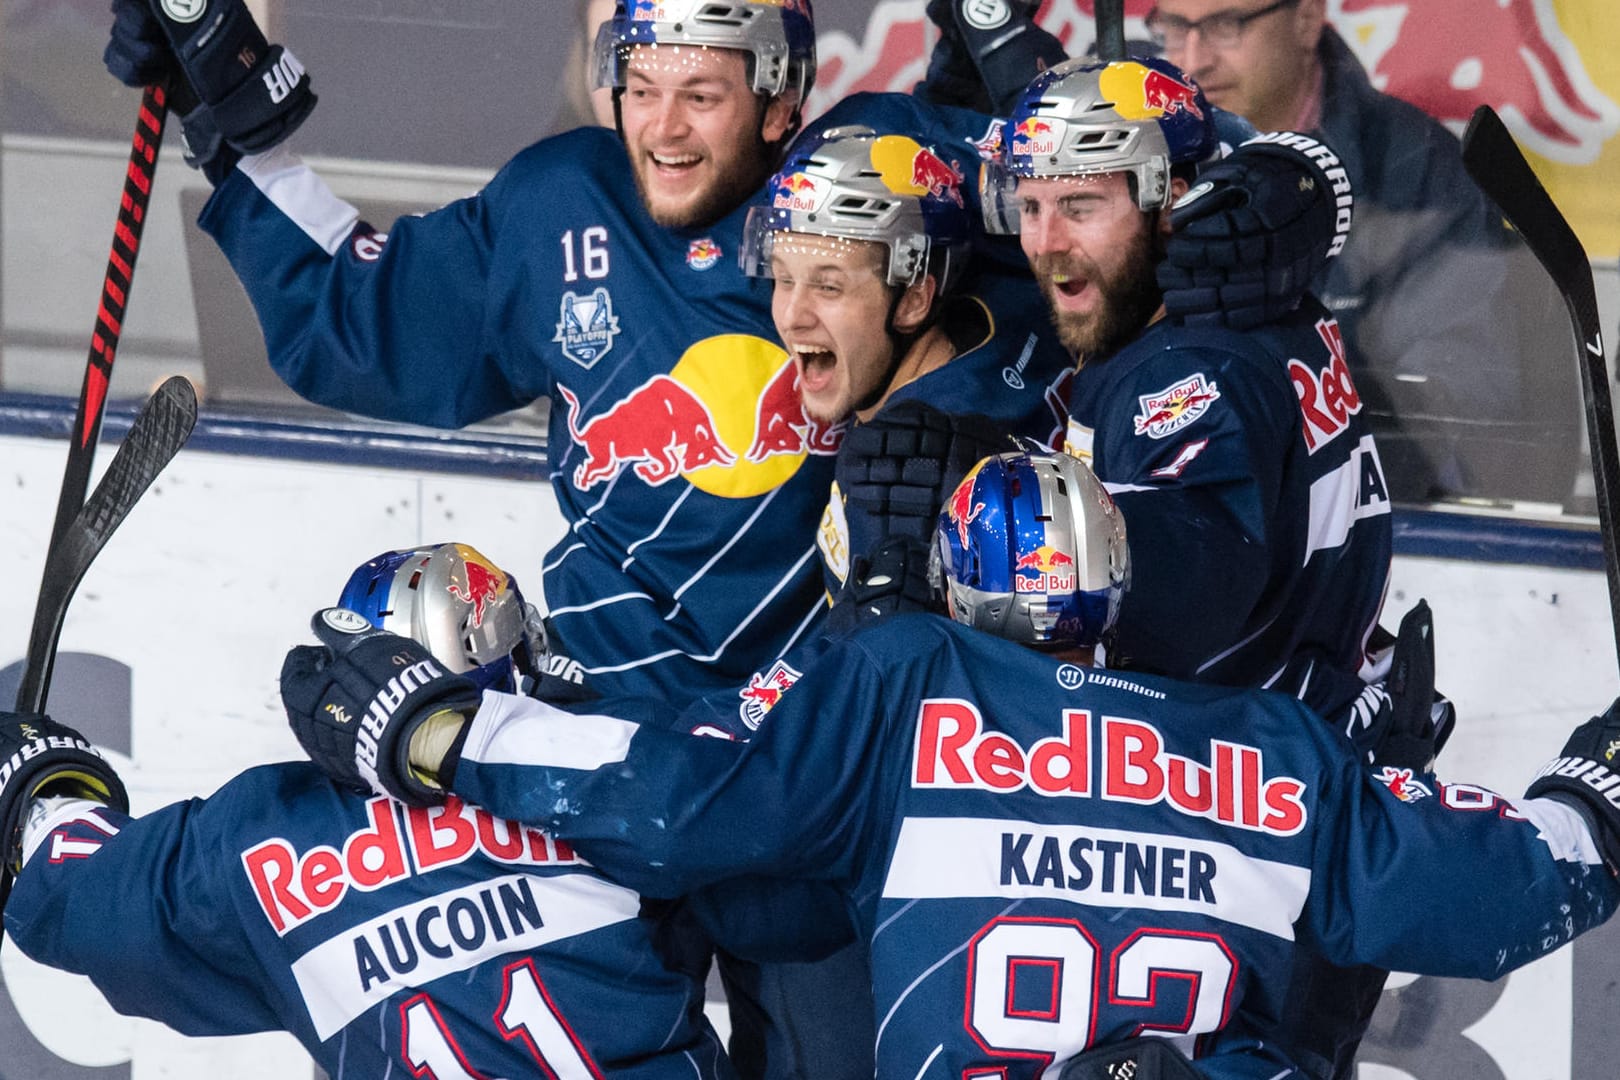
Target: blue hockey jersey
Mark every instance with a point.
(388, 940)
(1046, 857)
(692, 481)
(1258, 515)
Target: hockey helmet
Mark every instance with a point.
(1140, 116)
(779, 37)
(451, 599)
(1031, 548)
(854, 184)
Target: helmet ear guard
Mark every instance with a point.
(457, 604)
(1030, 547)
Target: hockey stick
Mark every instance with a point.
(1495, 162)
(1110, 18)
(159, 431)
(126, 245)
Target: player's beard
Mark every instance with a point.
(732, 183)
(1130, 296)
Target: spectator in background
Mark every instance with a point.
(1462, 342)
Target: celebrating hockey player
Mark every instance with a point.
(389, 939)
(1049, 857)
(597, 270)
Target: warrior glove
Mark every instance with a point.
(1586, 775)
(245, 95)
(39, 757)
(1254, 231)
(356, 700)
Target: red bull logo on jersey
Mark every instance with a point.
(954, 748)
(1327, 395)
(484, 583)
(764, 691)
(702, 254)
(799, 193)
(1173, 408)
(586, 327)
(727, 418)
(1036, 136)
(293, 887)
(1044, 570)
(1403, 784)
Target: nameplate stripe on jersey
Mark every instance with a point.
(948, 858)
(511, 730)
(1353, 491)
(411, 946)
(283, 178)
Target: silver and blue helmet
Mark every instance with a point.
(778, 36)
(461, 607)
(1030, 547)
(1139, 116)
(854, 184)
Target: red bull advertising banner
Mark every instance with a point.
(1549, 67)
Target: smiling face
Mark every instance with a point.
(697, 136)
(1093, 253)
(832, 309)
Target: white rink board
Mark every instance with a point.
(217, 570)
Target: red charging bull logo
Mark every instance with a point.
(763, 691)
(1403, 784)
(937, 176)
(1044, 570)
(961, 508)
(1034, 136)
(798, 192)
(702, 254)
(1173, 408)
(483, 585)
(782, 427)
(660, 428)
(1509, 54)
(1170, 95)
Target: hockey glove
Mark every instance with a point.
(1255, 230)
(998, 43)
(356, 700)
(40, 757)
(897, 468)
(1587, 776)
(1132, 1059)
(893, 579)
(1403, 723)
(246, 95)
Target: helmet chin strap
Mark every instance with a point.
(900, 343)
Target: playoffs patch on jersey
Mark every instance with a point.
(1177, 405)
(586, 327)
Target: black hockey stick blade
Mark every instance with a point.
(115, 287)
(1110, 19)
(159, 431)
(1497, 165)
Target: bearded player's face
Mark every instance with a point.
(696, 133)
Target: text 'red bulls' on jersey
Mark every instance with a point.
(1046, 857)
(389, 940)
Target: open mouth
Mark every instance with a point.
(816, 368)
(674, 166)
(1069, 289)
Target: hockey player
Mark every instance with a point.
(1049, 857)
(596, 270)
(1240, 459)
(867, 238)
(390, 939)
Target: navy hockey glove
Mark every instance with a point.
(996, 42)
(40, 757)
(1586, 775)
(1254, 231)
(893, 579)
(355, 701)
(1133, 1059)
(246, 95)
(898, 467)
(1403, 723)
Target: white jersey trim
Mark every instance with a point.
(282, 177)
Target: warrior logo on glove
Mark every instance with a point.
(184, 11)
